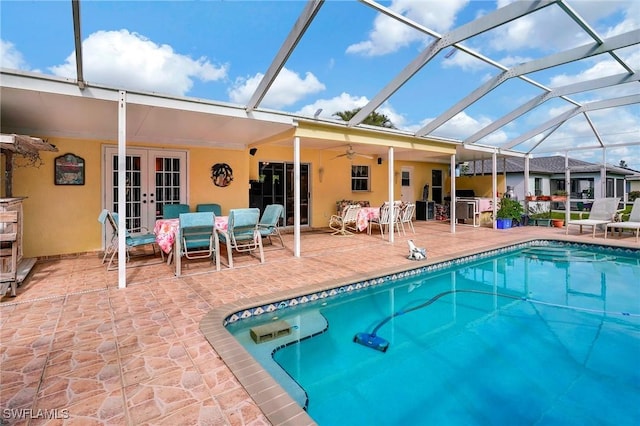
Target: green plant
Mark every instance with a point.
(633, 195)
(560, 193)
(539, 211)
(510, 209)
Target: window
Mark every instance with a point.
(537, 186)
(359, 178)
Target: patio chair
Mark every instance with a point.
(406, 217)
(269, 222)
(602, 212)
(198, 239)
(131, 240)
(347, 222)
(242, 234)
(8, 252)
(173, 211)
(388, 214)
(215, 208)
(633, 223)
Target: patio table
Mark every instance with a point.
(166, 230)
(365, 215)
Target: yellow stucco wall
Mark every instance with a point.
(481, 185)
(63, 219)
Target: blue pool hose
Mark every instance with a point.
(373, 334)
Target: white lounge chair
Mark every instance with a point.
(633, 223)
(602, 213)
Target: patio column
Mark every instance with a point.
(526, 175)
(296, 196)
(603, 175)
(391, 194)
(567, 188)
(452, 205)
(494, 185)
(122, 189)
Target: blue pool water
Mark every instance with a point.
(539, 335)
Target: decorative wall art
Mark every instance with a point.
(69, 170)
(221, 174)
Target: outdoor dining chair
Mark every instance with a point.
(131, 240)
(198, 239)
(215, 208)
(270, 221)
(405, 217)
(242, 234)
(346, 223)
(173, 211)
(388, 215)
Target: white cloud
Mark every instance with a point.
(560, 32)
(12, 58)
(389, 35)
(130, 60)
(287, 89)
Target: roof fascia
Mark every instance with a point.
(350, 135)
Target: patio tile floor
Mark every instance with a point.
(76, 347)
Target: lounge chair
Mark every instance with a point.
(269, 222)
(632, 224)
(346, 223)
(198, 239)
(602, 212)
(132, 241)
(173, 211)
(242, 234)
(215, 208)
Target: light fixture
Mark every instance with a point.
(253, 151)
(320, 174)
(379, 160)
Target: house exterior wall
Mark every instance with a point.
(62, 220)
(481, 184)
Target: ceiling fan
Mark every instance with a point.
(350, 153)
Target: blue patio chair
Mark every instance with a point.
(173, 211)
(215, 208)
(242, 234)
(131, 240)
(198, 239)
(270, 221)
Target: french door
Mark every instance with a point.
(153, 178)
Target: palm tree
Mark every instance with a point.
(373, 119)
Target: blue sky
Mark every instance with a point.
(219, 50)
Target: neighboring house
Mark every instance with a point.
(633, 183)
(547, 176)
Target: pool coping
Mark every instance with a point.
(276, 404)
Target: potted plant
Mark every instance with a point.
(540, 215)
(510, 209)
(559, 196)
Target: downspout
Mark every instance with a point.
(122, 189)
(603, 174)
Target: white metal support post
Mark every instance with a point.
(122, 189)
(296, 196)
(391, 193)
(452, 203)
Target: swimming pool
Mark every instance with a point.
(484, 339)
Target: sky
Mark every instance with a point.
(219, 50)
